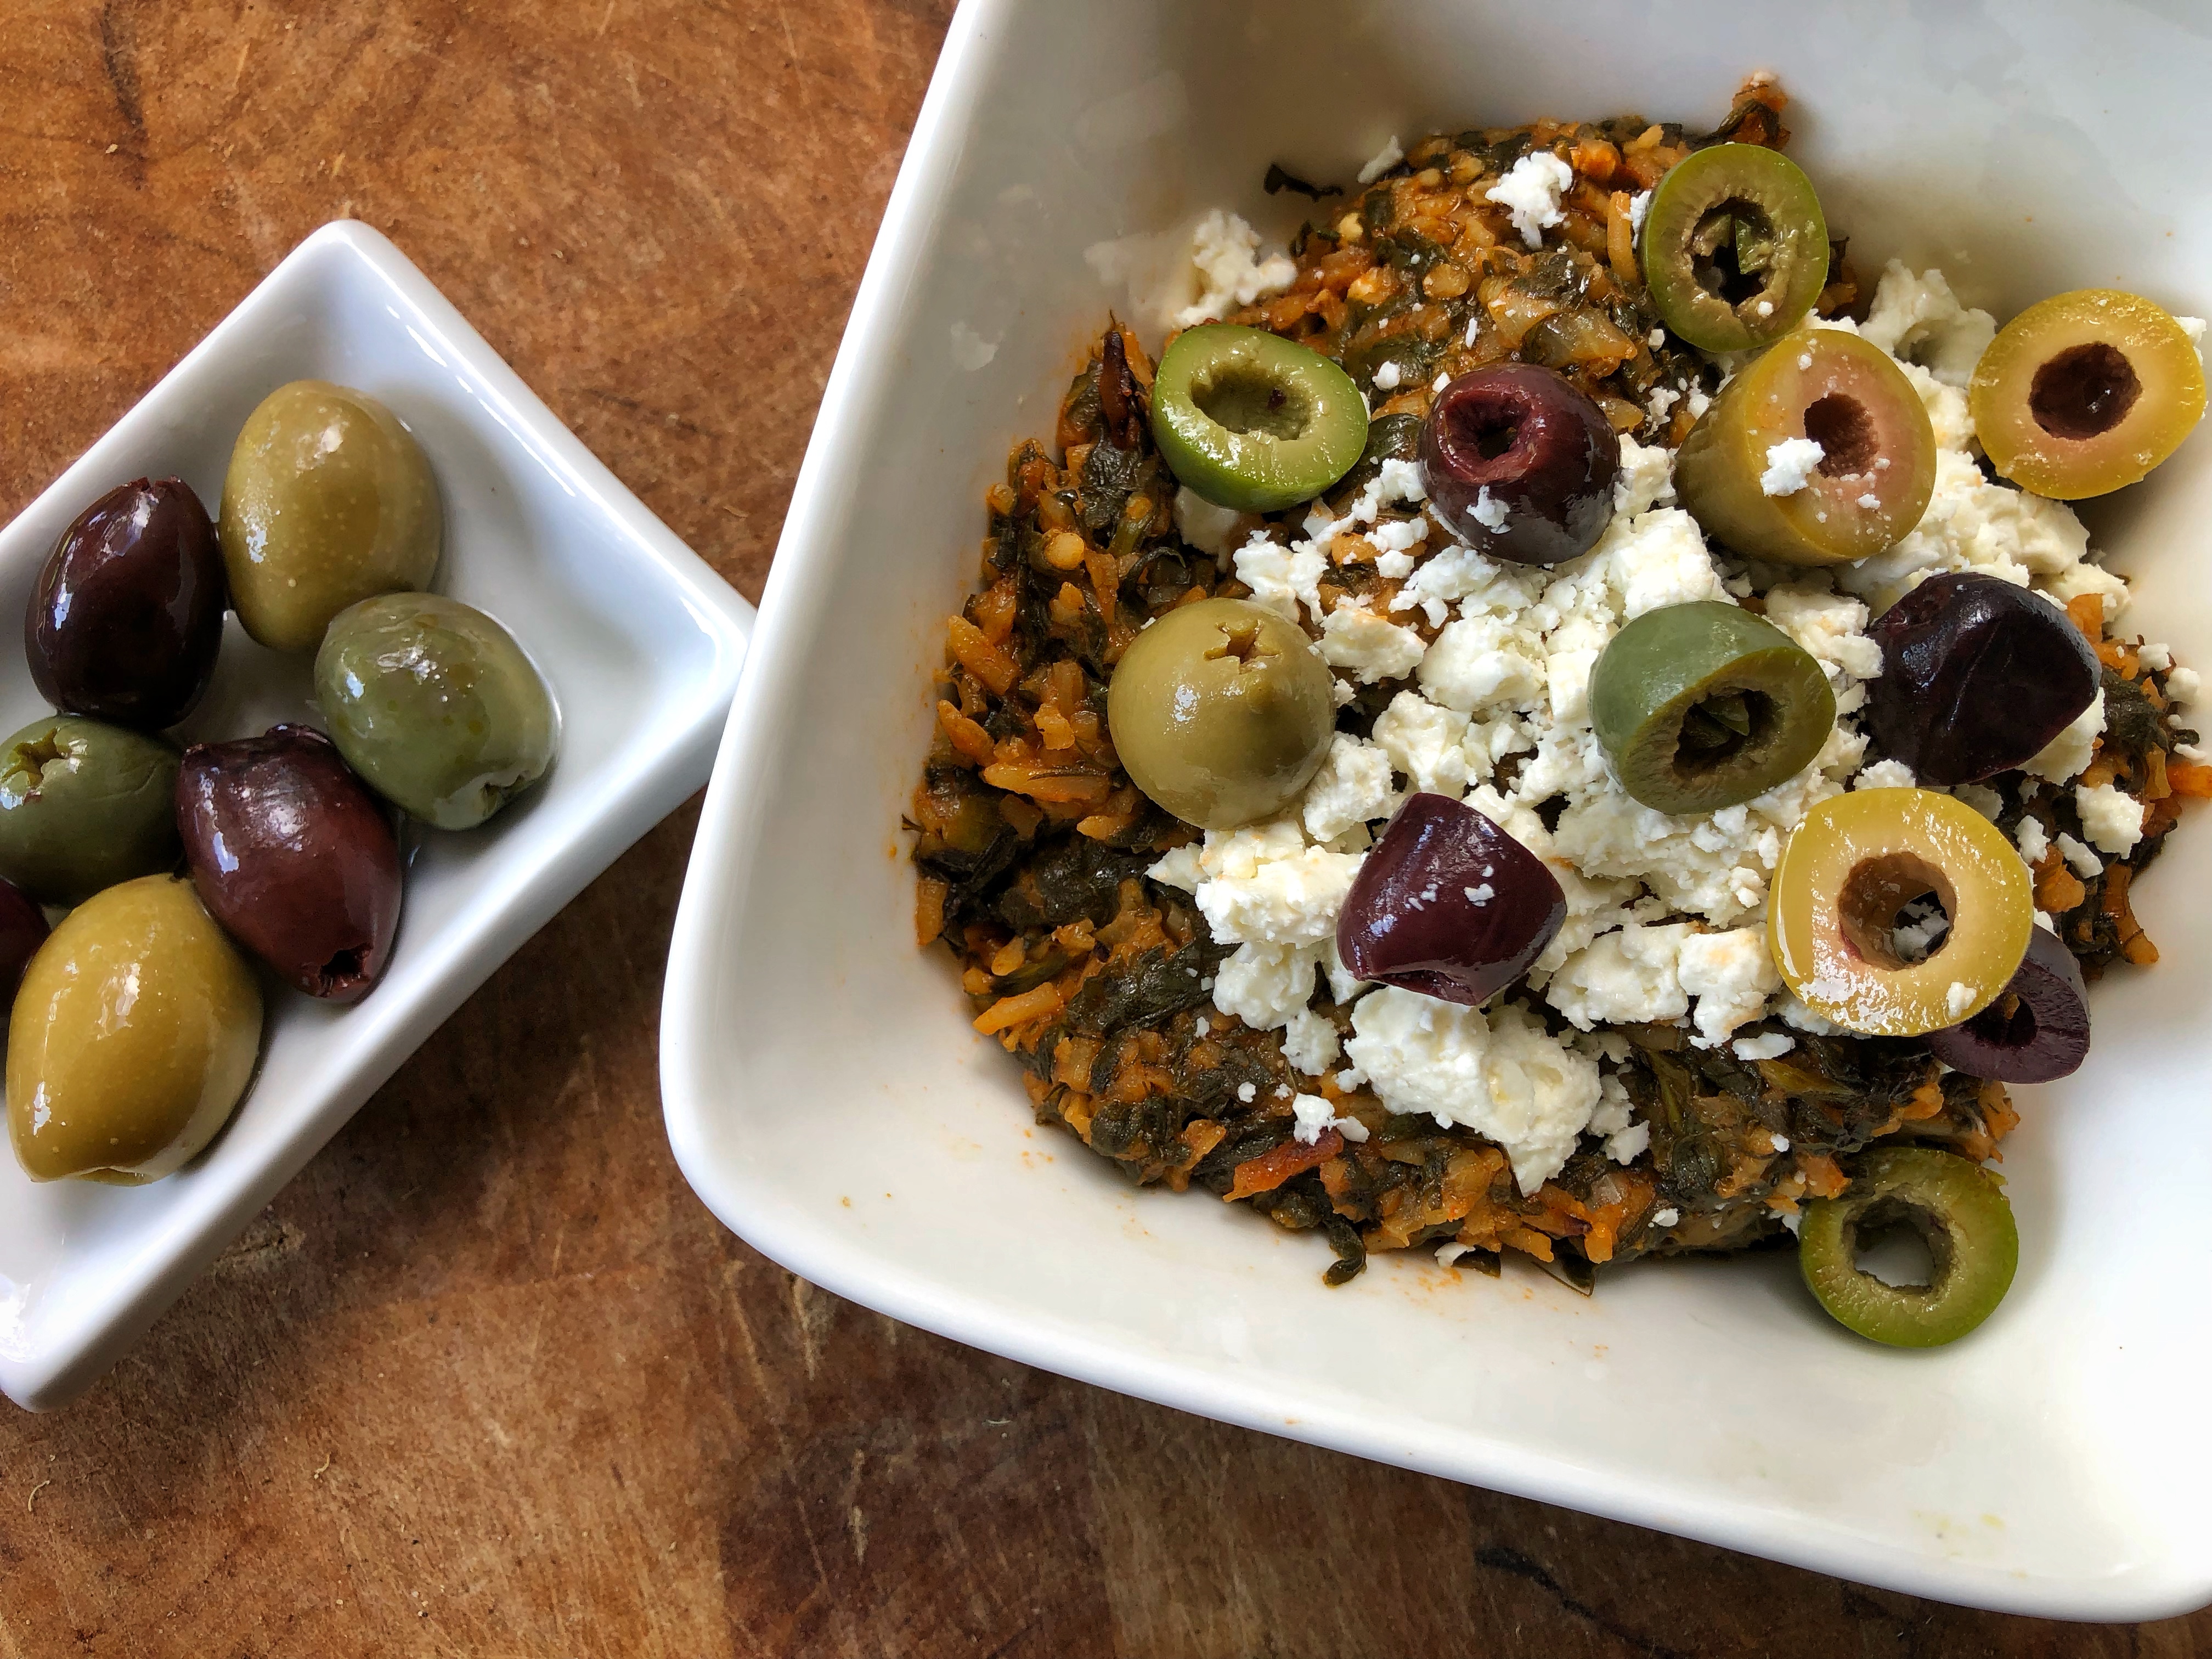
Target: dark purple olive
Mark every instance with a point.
(1519, 464)
(1978, 677)
(294, 856)
(22, 930)
(1448, 904)
(2037, 1030)
(125, 619)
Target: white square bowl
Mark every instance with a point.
(824, 1093)
(641, 643)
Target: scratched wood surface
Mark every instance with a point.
(486, 1379)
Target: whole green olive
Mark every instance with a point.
(435, 706)
(328, 501)
(84, 804)
(133, 1038)
(1221, 711)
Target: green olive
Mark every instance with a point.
(435, 706)
(1221, 711)
(1865, 488)
(1252, 420)
(327, 501)
(132, 1039)
(84, 804)
(1735, 248)
(1957, 1208)
(1703, 706)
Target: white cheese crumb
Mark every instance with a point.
(1657, 338)
(1388, 376)
(2182, 685)
(1382, 161)
(1772, 1045)
(2085, 863)
(2033, 840)
(1638, 205)
(1959, 999)
(1352, 786)
(1983, 798)
(1781, 1142)
(2156, 658)
(1371, 647)
(1918, 321)
(1441, 380)
(1870, 501)
(1208, 528)
(1245, 1092)
(2112, 818)
(1698, 404)
(1790, 465)
(1313, 1116)
(1487, 512)
(1225, 255)
(1885, 775)
(1666, 1218)
(1530, 192)
(2194, 328)
(1764, 307)
(2071, 750)
(1203, 1025)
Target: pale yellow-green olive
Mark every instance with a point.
(328, 501)
(1221, 711)
(133, 1038)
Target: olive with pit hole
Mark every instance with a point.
(1448, 904)
(1735, 246)
(1819, 452)
(1252, 420)
(329, 501)
(126, 618)
(1978, 675)
(2036, 1031)
(1960, 1214)
(435, 706)
(1221, 711)
(1519, 464)
(1704, 706)
(83, 806)
(294, 855)
(133, 1038)
(2086, 391)
(1851, 867)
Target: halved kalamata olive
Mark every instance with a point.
(294, 856)
(125, 619)
(1978, 677)
(1448, 904)
(1519, 464)
(22, 930)
(2037, 1030)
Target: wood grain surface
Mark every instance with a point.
(487, 1379)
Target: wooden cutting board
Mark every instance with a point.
(486, 1378)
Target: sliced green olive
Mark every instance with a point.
(1704, 705)
(1735, 250)
(1253, 421)
(1960, 1212)
(1746, 477)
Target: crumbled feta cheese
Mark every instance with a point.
(1829, 625)
(1662, 399)
(1449, 1253)
(1246, 1092)
(1388, 376)
(1208, 528)
(1264, 885)
(1487, 511)
(1224, 251)
(1281, 578)
(1983, 798)
(1623, 977)
(2183, 685)
(1351, 787)
(2194, 328)
(2112, 819)
(2083, 862)
(1885, 775)
(2071, 750)
(1666, 1218)
(1918, 320)
(1482, 661)
(1638, 205)
(1657, 338)
(1646, 478)
(1313, 1114)
(1959, 999)
(1771, 1045)
(1530, 192)
(1731, 974)
(1781, 1142)
(1264, 985)
(1790, 465)
(1504, 1076)
(2033, 840)
(1370, 647)
(1424, 741)
(1796, 1016)
(1382, 161)
(1309, 1041)
(2156, 658)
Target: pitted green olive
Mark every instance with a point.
(328, 501)
(435, 706)
(1222, 712)
(133, 1038)
(83, 806)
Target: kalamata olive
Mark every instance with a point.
(435, 706)
(2036, 1031)
(22, 930)
(125, 619)
(83, 806)
(328, 501)
(294, 855)
(1519, 464)
(1448, 904)
(133, 1038)
(1978, 677)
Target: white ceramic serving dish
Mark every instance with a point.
(825, 1095)
(640, 641)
